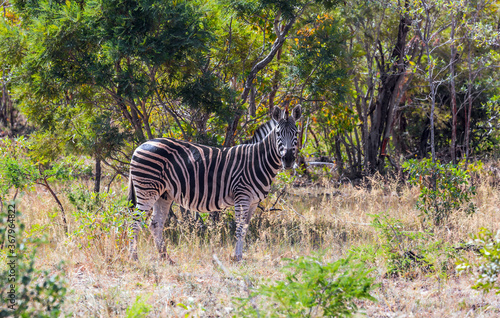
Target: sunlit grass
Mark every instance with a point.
(327, 220)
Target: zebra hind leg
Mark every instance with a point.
(136, 226)
(161, 210)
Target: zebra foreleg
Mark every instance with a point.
(243, 212)
(161, 210)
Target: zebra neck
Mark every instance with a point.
(262, 132)
(269, 154)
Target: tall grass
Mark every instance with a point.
(331, 220)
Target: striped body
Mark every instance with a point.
(206, 179)
(202, 178)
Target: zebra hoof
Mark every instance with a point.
(236, 258)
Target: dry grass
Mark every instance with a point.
(105, 287)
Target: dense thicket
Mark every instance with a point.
(380, 81)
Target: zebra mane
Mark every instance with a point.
(261, 132)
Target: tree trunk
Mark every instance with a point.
(383, 110)
(424, 137)
(426, 39)
(453, 149)
(200, 121)
(136, 122)
(302, 134)
(433, 107)
(338, 156)
(98, 173)
(133, 115)
(6, 112)
(468, 110)
(145, 120)
(252, 108)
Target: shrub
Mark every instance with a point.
(488, 267)
(411, 252)
(444, 188)
(103, 223)
(312, 288)
(22, 169)
(25, 290)
(139, 308)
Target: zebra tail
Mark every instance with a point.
(131, 192)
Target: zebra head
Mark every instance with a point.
(286, 134)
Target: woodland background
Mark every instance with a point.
(380, 81)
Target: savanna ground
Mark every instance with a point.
(325, 219)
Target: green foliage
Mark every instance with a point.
(444, 188)
(12, 45)
(123, 57)
(320, 56)
(312, 288)
(96, 135)
(102, 223)
(139, 308)
(207, 92)
(285, 178)
(38, 293)
(21, 169)
(366, 253)
(488, 268)
(409, 253)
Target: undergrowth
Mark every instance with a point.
(312, 287)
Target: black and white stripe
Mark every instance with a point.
(262, 131)
(205, 179)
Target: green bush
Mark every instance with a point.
(488, 267)
(410, 253)
(139, 308)
(444, 188)
(25, 291)
(312, 288)
(21, 169)
(102, 223)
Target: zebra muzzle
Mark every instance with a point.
(288, 159)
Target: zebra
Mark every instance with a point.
(261, 132)
(205, 179)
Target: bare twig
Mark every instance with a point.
(221, 266)
(284, 202)
(111, 181)
(283, 191)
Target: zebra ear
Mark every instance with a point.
(277, 113)
(296, 112)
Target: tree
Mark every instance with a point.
(12, 44)
(125, 50)
(393, 72)
(96, 136)
(278, 19)
(381, 51)
(453, 59)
